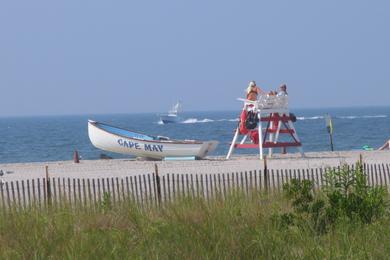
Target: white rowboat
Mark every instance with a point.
(119, 140)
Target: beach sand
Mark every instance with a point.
(128, 167)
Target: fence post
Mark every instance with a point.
(158, 184)
(266, 181)
(48, 189)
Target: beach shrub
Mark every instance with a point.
(349, 194)
(346, 196)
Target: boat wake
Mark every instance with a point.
(359, 117)
(207, 120)
(195, 120)
(309, 118)
(300, 118)
(343, 117)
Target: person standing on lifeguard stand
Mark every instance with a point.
(246, 126)
(252, 91)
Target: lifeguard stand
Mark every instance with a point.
(274, 111)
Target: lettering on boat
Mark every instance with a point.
(129, 144)
(154, 147)
(147, 147)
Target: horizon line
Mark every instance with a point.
(191, 111)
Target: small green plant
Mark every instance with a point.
(346, 195)
(349, 195)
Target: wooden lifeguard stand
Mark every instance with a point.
(272, 110)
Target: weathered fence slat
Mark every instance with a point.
(224, 185)
(169, 187)
(127, 188)
(84, 192)
(202, 185)
(2, 195)
(216, 192)
(8, 197)
(79, 191)
(28, 193)
(384, 174)
(242, 181)
(133, 194)
(192, 186)
(246, 182)
(141, 192)
(188, 192)
(136, 190)
(151, 196)
(183, 192)
(90, 199)
(74, 192)
(123, 189)
(99, 193)
(94, 191)
(207, 186)
(39, 191)
(197, 185)
(164, 190)
(174, 191)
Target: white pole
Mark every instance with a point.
(233, 144)
(271, 136)
(260, 130)
(277, 132)
(243, 139)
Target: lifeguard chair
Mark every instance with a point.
(272, 110)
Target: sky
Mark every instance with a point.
(94, 56)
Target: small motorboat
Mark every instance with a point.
(119, 140)
(172, 116)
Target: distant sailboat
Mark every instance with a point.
(172, 116)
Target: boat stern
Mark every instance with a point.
(207, 148)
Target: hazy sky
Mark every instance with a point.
(80, 56)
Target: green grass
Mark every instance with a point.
(237, 227)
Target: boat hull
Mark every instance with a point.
(156, 149)
(168, 119)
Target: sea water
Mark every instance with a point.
(52, 138)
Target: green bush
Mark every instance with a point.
(346, 195)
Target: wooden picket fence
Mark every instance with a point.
(153, 189)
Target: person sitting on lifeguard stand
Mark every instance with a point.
(282, 91)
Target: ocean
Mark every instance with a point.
(53, 138)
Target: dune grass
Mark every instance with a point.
(235, 227)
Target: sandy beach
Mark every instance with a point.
(128, 167)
